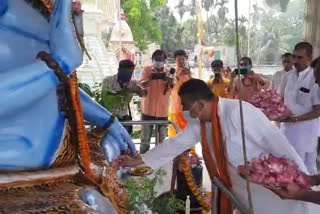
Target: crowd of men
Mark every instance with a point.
(174, 94)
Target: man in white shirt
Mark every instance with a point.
(287, 62)
(261, 137)
(300, 96)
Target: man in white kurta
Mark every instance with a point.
(261, 137)
(300, 96)
(287, 62)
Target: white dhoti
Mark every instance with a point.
(303, 136)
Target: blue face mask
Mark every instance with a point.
(246, 67)
(124, 77)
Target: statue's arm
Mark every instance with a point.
(117, 139)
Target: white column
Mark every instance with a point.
(312, 25)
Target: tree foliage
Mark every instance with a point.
(271, 32)
(277, 32)
(140, 17)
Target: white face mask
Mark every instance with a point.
(187, 115)
(157, 64)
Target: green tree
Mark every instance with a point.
(207, 5)
(222, 11)
(212, 31)
(228, 34)
(189, 34)
(192, 9)
(170, 28)
(140, 17)
(276, 33)
(182, 9)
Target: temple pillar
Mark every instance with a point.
(312, 25)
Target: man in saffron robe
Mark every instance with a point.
(216, 123)
(182, 75)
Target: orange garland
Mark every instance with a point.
(83, 146)
(48, 4)
(219, 166)
(191, 183)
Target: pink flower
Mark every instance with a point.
(207, 199)
(273, 171)
(194, 159)
(242, 170)
(270, 103)
(256, 100)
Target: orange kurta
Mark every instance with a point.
(155, 103)
(176, 114)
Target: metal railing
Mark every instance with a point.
(219, 186)
(156, 123)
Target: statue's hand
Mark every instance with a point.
(116, 141)
(63, 44)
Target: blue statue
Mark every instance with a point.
(31, 125)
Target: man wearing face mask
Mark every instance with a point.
(154, 79)
(119, 90)
(251, 82)
(300, 96)
(215, 122)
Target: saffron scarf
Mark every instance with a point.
(217, 165)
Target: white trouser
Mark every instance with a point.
(310, 160)
(303, 136)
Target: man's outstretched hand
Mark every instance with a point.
(290, 191)
(127, 161)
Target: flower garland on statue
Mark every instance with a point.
(48, 4)
(110, 184)
(83, 144)
(76, 6)
(186, 169)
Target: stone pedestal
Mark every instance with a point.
(312, 25)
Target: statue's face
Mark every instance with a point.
(23, 33)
